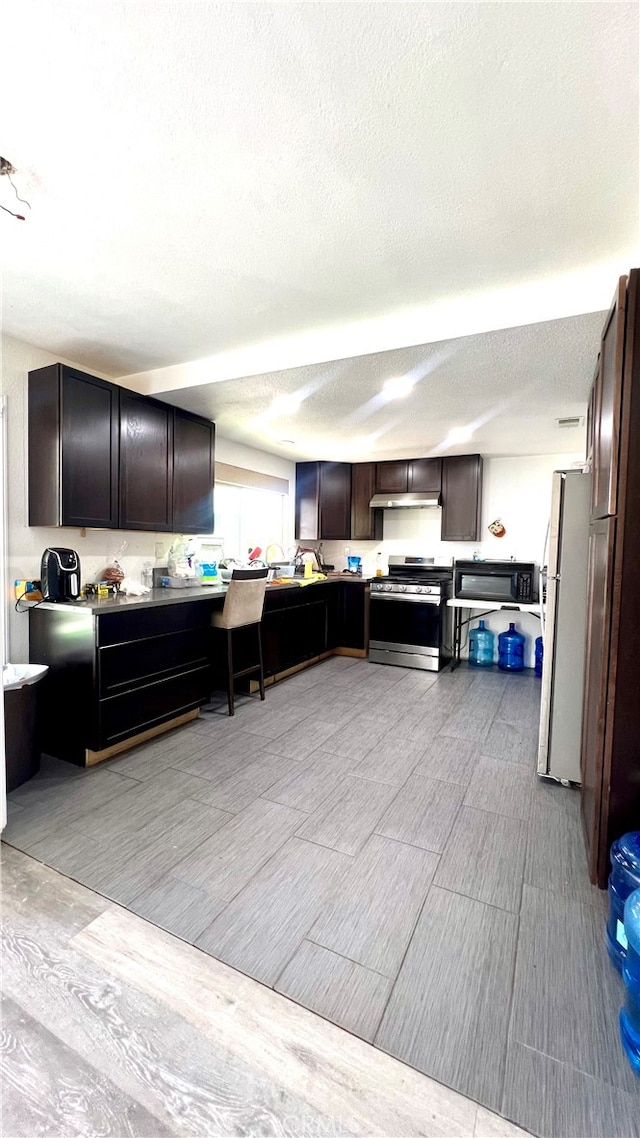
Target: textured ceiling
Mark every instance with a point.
(509, 386)
(204, 177)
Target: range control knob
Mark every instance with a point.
(402, 588)
(388, 588)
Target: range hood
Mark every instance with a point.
(404, 501)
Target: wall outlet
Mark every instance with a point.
(159, 550)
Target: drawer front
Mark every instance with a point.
(127, 714)
(124, 666)
(139, 624)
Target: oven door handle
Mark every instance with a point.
(415, 598)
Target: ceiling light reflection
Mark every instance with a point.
(398, 387)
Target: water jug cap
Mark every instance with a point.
(512, 626)
(480, 624)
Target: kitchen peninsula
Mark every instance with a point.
(123, 669)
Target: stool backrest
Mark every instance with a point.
(244, 601)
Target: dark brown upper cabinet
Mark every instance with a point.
(146, 463)
(461, 497)
(366, 524)
(104, 457)
(323, 501)
(193, 473)
(392, 477)
(607, 402)
(424, 474)
(414, 475)
(73, 449)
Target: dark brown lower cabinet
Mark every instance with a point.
(116, 674)
(611, 715)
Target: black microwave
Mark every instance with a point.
(499, 581)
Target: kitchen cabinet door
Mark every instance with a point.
(146, 463)
(461, 497)
(591, 417)
(424, 475)
(323, 501)
(193, 473)
(392, 477)
(73, 449)
(366, 524)
(607, 406)
(593, 759)
(335, 500)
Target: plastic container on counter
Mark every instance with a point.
(511, 650)
(481, 642)
(623, 879)
(539, 655)
(630, 1014)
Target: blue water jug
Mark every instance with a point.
(630, 1014)
(481, 646)
(539, 655)
(623, 879)
(511, 650)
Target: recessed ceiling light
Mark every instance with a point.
(398, 387)
(458, 435)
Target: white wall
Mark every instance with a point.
(97, 547)
(517, 490)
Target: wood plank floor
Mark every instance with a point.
(112, 1027)
(398, 869)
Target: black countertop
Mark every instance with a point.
(159, 597)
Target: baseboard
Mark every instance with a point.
(93, 757)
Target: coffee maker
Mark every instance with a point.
(60, 574)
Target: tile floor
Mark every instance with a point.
(373, 843)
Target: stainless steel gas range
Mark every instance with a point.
(410, 623)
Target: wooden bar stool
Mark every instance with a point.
(243, 607)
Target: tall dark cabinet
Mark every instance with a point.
(146, 463)
(366, 524)
(73, 449)
(193, 473)
(461, 497)
(610, 757)
(323, 501)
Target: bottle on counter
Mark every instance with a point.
(481, 642)
(379, 569)
(511, 650)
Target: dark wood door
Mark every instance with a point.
(146, 463)
(424, 475)
(608, 402)
(193, 473)
(335, 500)
(366, 524)
(594, 797)
(307, 521)
(461, 497)
(392, 477)
(89, 410)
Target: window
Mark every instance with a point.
(245, 517)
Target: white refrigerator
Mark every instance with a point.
(564, 627)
